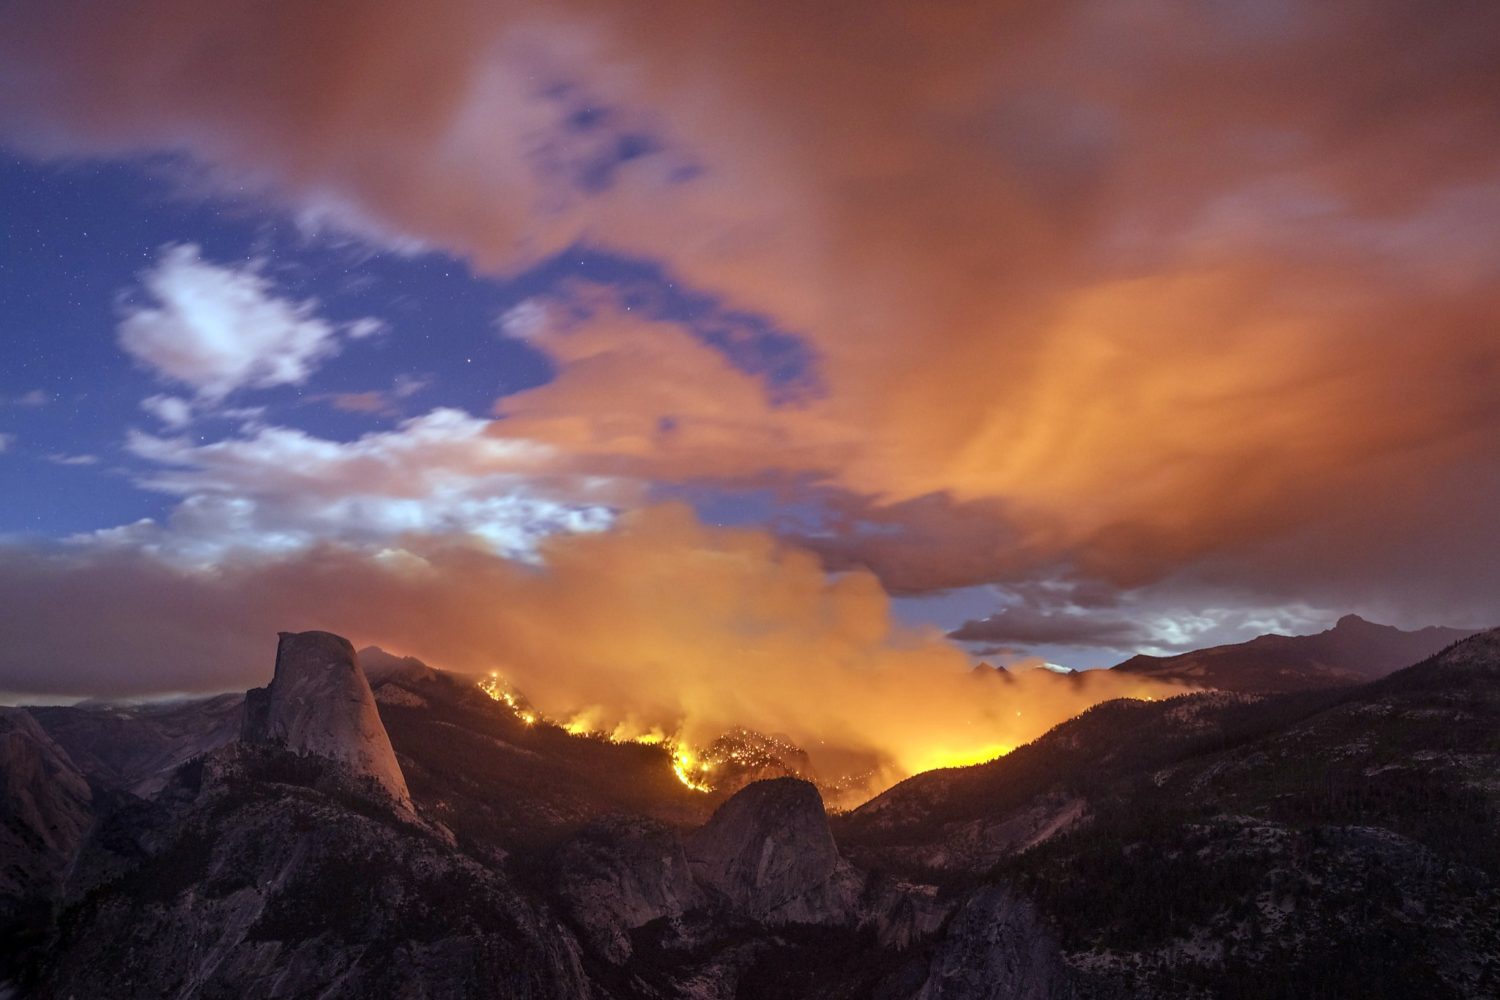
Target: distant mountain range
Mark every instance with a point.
(369, 826)
(1352, 652)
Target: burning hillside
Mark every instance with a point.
(730, 762)
(846, 776)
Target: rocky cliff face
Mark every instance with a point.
(262, 874)
(769, 853)
(758, 902)
(320, 703)
(997, 948)
(765, 857)
(45, 809)
(622, 873)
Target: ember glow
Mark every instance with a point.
(692, 770)
(717, 365)
(939, 756)
(688, 764)
(497, 688)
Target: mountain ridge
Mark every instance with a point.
(1342, 841)
(1352, 651)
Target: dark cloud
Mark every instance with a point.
(929, 543)
(1020, 626)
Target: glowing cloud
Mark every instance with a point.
(661, 626)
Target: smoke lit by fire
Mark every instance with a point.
(661, 630)
(691, 766)
(666, 631)
(744, 750)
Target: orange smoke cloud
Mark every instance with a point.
(660, 625)
(666, 625)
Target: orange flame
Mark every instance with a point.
(688, 764)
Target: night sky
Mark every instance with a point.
(1008, 331)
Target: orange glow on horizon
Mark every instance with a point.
(694, 767)
(941, 757)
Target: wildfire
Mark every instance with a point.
(496, 687)
(737, 750)
(690, 766)
(691, 769)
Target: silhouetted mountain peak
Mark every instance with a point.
(1353, 651)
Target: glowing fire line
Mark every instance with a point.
(687, 764)
(692, 767)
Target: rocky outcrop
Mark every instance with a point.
(903, 914)
(41, 791)
(769, 854)
(996, 949)
(620, 874)
(320, 703)
(256, 875)
(45, 810)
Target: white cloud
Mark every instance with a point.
(65, 459)
(369, 326)
(218, 329)
(6, 440)
(524, 320)
(407, 386)
(36, 397)
(174, 411)
(418, 454)
(276, 489)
